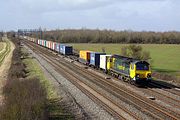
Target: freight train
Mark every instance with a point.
(124, 68)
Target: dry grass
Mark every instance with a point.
(24, 98)
(27, 93)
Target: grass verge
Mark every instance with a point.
(55, 111)
(5, 52)
(27, 94)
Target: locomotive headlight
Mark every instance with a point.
(137, 75)
(148, 75)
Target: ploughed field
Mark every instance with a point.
(165, 57)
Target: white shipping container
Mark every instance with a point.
(54, 43)
(103, 61)
(38, 42)
(48, 44)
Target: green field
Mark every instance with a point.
(165, 57)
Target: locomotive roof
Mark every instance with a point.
(129, 59)
(140, 61)
(124, 57)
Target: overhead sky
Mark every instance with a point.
(137, 15)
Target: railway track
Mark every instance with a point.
(166, 88)
(114, 89)
(172, 98)
(95, 95)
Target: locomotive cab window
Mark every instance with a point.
(142, 66)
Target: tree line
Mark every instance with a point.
(109, 36)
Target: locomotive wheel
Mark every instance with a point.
(124, 78)
(132, 82)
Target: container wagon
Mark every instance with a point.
(44, 44)
(38, 42)
(53, 46)
(103, 62)
(66, 49)
(47, 43)
(84, 57)
(57, 47)
(95, 59)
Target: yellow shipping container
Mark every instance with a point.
(84, 54)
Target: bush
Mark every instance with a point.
(135, 51)
(25, 99)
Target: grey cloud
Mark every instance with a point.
(63, 5)
(110, 14)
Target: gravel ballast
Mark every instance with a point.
(73, 100)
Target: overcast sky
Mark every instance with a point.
(137, 15)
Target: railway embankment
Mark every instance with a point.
(6, 52)
(27, 94)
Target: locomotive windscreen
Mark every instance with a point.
(142, 66)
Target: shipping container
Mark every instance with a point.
(57, 47)
(103, 61)
(95, 58)
(84, 56)
(41, 42)
(51, 45)
(66, 49)
(38, 42)
(47, 43)
(54, 45)
(44, 43)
